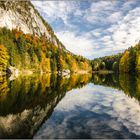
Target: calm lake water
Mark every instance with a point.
(78, 106)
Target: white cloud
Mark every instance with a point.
(115, 17)
(78, 12)
(80, 45)
(127, 32)
(57, 9)
(99, 11)
(104, 27)
(128, 4)
(85, 45)
(106, 38)
(101, 6)
(124, 30)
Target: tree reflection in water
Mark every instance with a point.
(129, 84)
(26, 102)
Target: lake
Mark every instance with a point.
(75, 106)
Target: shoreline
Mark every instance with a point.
(103, 72)
(14, 72)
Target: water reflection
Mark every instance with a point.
(129, 84)
(95, 106)
(27, 101)
(99, 110)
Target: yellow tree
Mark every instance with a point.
(74, 67)
(124, 62)
(4, 57)
(138, 61)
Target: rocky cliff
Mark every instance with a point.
(28, 42)
(22, 15)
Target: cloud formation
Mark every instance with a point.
(80, 45)
(93, 28)
(95, 112)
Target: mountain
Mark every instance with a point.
(22, 15)
(28, 101)
(27, 42)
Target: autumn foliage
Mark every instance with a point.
(127, 62)
(4, 57)
(26, 51)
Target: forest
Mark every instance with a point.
(38, 54)
(127, 62)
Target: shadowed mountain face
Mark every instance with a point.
(22, 15)
(27, 101)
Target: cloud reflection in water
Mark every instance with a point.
(93, 112)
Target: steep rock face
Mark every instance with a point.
(31, 44)
(22, 15)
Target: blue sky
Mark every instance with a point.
(93, 28)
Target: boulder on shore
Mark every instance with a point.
(12, 70)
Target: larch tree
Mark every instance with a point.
(4, 57)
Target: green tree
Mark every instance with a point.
(102, 65)
(115, 66)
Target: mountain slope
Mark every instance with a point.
(22, 15)
(30, 43)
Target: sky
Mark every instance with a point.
(93, 28)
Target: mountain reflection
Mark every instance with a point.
(98, 110)
(27, 101)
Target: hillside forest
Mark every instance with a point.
(127, 62)
(38, 54)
